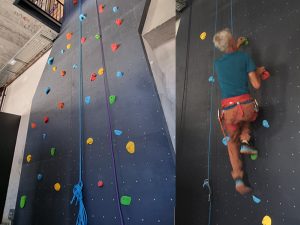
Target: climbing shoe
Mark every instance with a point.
(248, 149)
(241, 188)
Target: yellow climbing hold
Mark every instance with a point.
(57, 186)
(203, 36)
(130, 146)
(29, 158)
(89, 141)
(267, 220)
(54, 68)
(101, 71)
(69, 46)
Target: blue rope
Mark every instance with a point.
(77, 190)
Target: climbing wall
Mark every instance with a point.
(273, 41)
(97, 101)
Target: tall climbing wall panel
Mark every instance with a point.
(96, 112)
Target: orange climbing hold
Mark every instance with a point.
(101, 8)
(57, 187)
(60, 105)
(93, 77)
(119, 22)
(130, 146)
(46, 119)
(63, 73)
(114, 47)
(33, 125)
(69, 35)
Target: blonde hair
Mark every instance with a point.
(222, 39)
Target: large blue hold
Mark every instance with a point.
(87, 100)
(50, 60)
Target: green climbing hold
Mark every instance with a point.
(112, 99)
(23, 201)
(254, 157)
(98, 36)
(125, 200)
(52, 151)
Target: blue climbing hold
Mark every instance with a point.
(256, 199)
(118, 132)
(119, 74)
(62, 51)
(44, 136)
(225, 140)
(50, 60)
(82, 17)
(47, 90)
(75, 66)
(39, 177)
(87, 99)
(265, 124)
(115, 9)
(211, 79)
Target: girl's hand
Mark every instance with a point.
(240, 41)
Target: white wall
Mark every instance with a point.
(18, 101)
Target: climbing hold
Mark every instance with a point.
(203, 36)
(87, 100)
(254, 157)
(50, 60)
(39, 177)
(33, 125)
(54, 68)
(62, 51)
(101, 71)
(82, 17)
(60, 105)
(93, 77)
(69, 46)
(245, 42)
(75, 2)
(211, 79)
(57, 186)
(265, 124)
(119, 21)
(89, 141)
(115, 9)
(44, 136)
(52, 151)
(118, 132)
(47, 90)
(114, 47)
(225, 140)
(46, 119)
(63, 73)
(29, 158)
(98, 36)
(23, 201)
(256, 199)
(101, 8)
(119, 74)
(75, 66)
(69, 35)
(267, 220)
(100, 183)
(112, 99)
(130, 146)
(265, 75)
(82, 40)
(125, 200)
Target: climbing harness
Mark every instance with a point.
(77, 190)
(110, 133)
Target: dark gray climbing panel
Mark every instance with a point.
(274, 33)
(148, 175)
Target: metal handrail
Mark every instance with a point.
(53, 8)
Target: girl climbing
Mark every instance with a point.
(235, 69)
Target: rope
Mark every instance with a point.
(77, 189)
(110, 133)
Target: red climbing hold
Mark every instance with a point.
(114, 47)
(75, 2)
(265, 75)
(101, 8)
(33, 125)
(46, 119)
(60, 105)
(63, 73)
(119, 22)
(100, 183)
(82, 40)
(93, 76)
